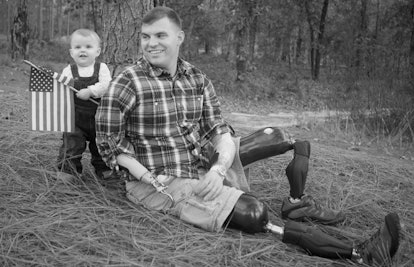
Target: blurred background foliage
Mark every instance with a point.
(355, 55)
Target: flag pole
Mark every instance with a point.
(70, 87)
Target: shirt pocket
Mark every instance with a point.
(159, 112)
(193, 109)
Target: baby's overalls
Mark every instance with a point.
(74, 144)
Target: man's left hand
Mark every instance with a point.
(210, 186)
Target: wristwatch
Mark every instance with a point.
(220, 170)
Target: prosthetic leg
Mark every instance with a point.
(272, 141)
(264, 143)
(250, 215)
(297, 170)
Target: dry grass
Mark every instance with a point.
(44, 222)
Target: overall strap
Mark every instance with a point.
(74, 70)
(97, 68)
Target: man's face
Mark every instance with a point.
(84, 50)
(160, 43)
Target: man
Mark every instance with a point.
(161, 120)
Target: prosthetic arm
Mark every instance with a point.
(137, 170)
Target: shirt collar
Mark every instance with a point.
(183, 68)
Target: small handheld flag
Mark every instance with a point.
(51, 101)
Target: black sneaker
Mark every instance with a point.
(381, 246)
(308, 210)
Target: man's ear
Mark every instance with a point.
(181, 36)
(99, 51)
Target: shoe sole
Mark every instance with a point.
(392, 222)
(305, 218)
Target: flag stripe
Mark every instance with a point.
(71, 110)
(61, 112)
(48, 112)
(56, 111)
(41, 111)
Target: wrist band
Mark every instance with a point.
(220, 170)
(145, 174)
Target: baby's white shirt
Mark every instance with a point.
(99, 88)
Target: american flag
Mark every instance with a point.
(51, 102)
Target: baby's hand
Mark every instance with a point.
(84, 94)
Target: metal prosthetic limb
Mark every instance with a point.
(140, 173)
(250, 215)
(264, 143)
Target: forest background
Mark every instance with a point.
(264, 57)
(355, 55)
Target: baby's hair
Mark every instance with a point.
(86, 33)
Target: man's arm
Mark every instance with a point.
(215, 129)
(211, 184)
(226, 150)
(111, 118)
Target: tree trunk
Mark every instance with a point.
(252, 29)
(320, 39)
(59, 17)
(207, 47)
(362, 31)
(312, 38)
(241, 52)
(159, 3)
(19, 34)
(81, 16)
(41, 20)
(52, 20)
(95, 17)
(187, 49)
(243, 10)
(412, 47)
(299, 40)
(68, 24)
(120, 30)
(8, 19)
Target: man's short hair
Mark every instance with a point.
(160, 12)
(86, 33)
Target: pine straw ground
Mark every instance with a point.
(44, 222)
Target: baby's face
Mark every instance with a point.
(84, 50)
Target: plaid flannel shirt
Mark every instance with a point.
(158, 119)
